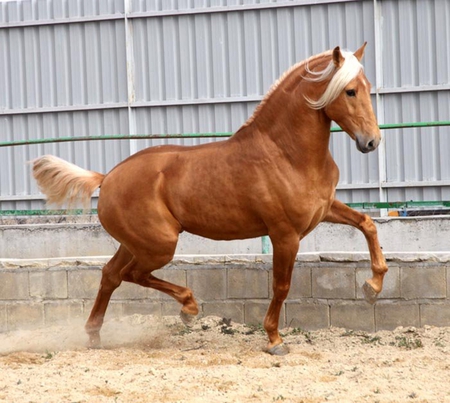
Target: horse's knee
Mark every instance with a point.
(368, 226)
(281, 291)
(270, 324)
(110, 281)
(380, 269)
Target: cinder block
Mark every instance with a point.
(14, 285)
(130, 291)
(3, 318)
(389, 315)
(333, 282)
(48, 284)
(23, 316)
(142, 308)
(307, 315)
(355, 316)
(244, 283)
(230, 310)
(174, 276)
(300, 283)
(435, 314)
(448, 282)
(255, 312)
(391, 282)
(83, 283)
(208, 284)
(63, 311)
(114, 309)
(423, 282)
(171, 308)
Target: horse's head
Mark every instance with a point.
(346, 99)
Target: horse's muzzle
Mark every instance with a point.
(366, 145)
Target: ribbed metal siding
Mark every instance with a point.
(416, 67)
(221, 61)
(202, 66)
(58, 80)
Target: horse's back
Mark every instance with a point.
(199, 187)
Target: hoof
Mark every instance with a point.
(279, 349)
(188, 319)
(94, 342)
(370, 294)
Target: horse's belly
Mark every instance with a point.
(224, 226)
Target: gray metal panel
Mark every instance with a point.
(231, 55)
(35, 12)
(416, 67)
(415, 43)
(15, 179)
(76, 69)
(62, 65)
(418, 155)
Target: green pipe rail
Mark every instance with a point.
(400, 205)
(391, 126)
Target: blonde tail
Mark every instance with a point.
(63, 182)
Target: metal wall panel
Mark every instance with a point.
(62, 65)
(416, 78)
(418, 156)
(99, 67)
(39, 12)
(415, 43)
(62, 68)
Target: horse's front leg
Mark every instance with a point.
(342, 214)
(284, 252)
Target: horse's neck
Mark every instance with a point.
(295, 128)
(285, 119)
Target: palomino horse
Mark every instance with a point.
(275, 176)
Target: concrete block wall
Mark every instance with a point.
(325, 291)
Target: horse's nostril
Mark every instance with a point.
(371, 145)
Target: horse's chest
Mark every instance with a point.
(310, 201)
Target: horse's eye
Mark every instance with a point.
(351, 93)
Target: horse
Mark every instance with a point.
(275, 176)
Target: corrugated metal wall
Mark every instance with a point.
(103, 67)
(416, 87)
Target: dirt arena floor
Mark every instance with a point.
(148, 359)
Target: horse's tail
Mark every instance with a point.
(63, 182)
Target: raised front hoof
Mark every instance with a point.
(188, 319)
(279, 349)
(370, 295)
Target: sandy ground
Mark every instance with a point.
(148, 359)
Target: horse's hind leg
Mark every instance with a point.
(342, 214)
(139, 272)
(111, 279)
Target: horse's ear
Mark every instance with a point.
(338, 59)
(360, 52)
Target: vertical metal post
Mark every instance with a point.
(382, 175)
(265, 245)
(130, 66)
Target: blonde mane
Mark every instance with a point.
(349, 70)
